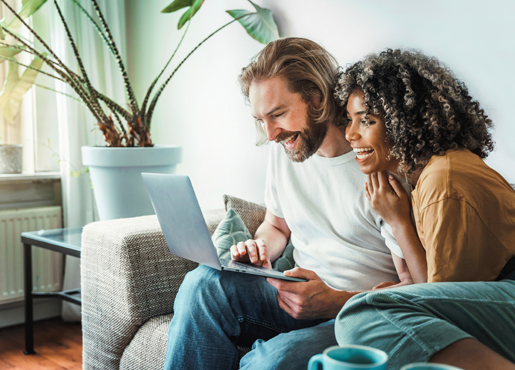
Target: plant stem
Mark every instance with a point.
(46, 46)
(159, 92)
(89, 87)
(128, 87)
(33, 68)
(111, 104)
(115, 107)
(24, 38)
(69, 80)
(67, 76)
(17, 47)
(95, 25)
(119, 123)
(149, 91)
(59, 92)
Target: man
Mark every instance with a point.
(314, 195)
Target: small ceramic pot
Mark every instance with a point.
(11, 158)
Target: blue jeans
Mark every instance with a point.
(216, 311)
(414, 322)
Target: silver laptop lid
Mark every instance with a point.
(180, 217)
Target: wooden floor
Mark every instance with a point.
(58, 345)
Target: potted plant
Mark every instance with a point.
(129, 149)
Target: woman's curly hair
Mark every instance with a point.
(426, 109)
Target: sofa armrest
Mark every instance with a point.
(127, 276)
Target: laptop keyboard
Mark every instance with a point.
(240, 265)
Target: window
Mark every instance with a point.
(35, 125)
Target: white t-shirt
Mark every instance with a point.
(334, 230)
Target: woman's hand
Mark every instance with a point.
(388, 198)
(391, 202)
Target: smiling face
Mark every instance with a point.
(284, 116)
(368, 139)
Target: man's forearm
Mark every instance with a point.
(274, 239)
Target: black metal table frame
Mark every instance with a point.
(29, 241)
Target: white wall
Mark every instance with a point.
(203, 110)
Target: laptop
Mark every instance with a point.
(185, 229)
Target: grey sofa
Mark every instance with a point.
(129, 283)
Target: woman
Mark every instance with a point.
(410, 116)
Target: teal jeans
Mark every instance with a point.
(412, 323)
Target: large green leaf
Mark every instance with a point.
(28, 8)
(7, 52)
(11, 80)
(177, 5)
(15, 87)
(260, 25)
(192, 5)
(188, 14)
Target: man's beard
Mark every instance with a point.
(308, 142)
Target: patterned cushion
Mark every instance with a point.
(233, 229)
(252, 214)
(285, 262)
(229, 232)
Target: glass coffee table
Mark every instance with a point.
(65, 241)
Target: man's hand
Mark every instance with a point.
(251, 251)
(309, 300)
(388, 198)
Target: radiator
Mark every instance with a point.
(47, 269)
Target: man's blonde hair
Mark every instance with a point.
(309, 69)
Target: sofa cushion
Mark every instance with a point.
(229, 232)
(234, 229)
(286, 261)
(252, 214)
(147, 349)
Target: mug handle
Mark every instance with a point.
(314, 361)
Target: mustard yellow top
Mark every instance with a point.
(465, 218)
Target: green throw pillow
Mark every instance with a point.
(232, 230)
(285, 262)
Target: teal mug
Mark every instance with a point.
(349, 357)
(426, 366)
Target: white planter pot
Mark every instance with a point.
(11, 158)
(116, 177)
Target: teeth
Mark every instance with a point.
(291, 140)
(362, 153)
(359, 150)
